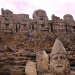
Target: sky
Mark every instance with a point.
(57, 7)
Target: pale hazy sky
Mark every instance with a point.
(57, 7)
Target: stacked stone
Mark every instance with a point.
(40, 19)
(58, 24)
(14, 62)
(19, 23)
(7, 22)
(69, 22)
(24, 23)
(40, 67)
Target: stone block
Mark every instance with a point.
(30, 68)
(42, 61)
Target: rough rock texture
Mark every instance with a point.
(30, 68)
(21, 37)
(70, 23)
(59, 63)
(58, 48)
(42, 61)
(16, 72)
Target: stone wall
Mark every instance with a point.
(21, 38)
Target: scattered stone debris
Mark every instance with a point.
(23, 39)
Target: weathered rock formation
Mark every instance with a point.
(21, 38)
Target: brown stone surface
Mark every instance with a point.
(16, 72)
(59, 63)
(42, 61)
(22, 37)
(30, 68)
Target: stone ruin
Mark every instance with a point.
(26, 42)
(59, 64)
